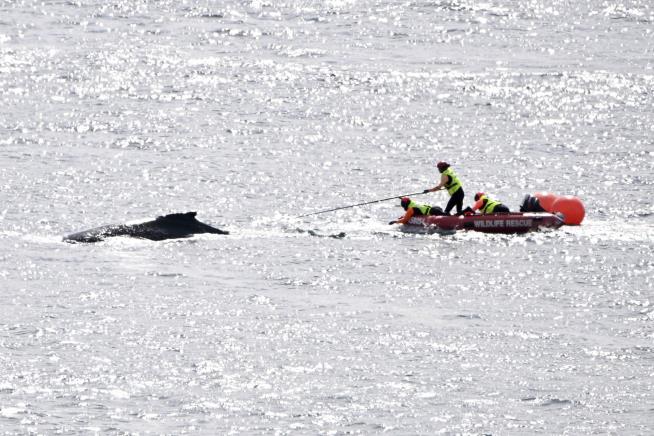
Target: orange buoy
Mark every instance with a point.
(546, 199)
(572, 209)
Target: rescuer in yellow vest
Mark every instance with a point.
(451, 182)
(413, 208)
(485, 205)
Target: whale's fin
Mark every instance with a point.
(185, 216)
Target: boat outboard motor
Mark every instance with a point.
(531, 204)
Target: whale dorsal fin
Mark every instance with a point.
(178, 216)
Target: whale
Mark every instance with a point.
(172, 226)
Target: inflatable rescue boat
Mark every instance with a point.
(512, 222)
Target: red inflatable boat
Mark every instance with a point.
(514, 222)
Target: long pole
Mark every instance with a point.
(362, 204)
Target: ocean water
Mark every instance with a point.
(255, 112)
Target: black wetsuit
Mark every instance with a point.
(455, 200)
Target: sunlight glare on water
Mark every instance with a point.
(254, 113)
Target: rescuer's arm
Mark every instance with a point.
(441, 185)
(405, 219)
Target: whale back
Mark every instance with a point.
(175, 225)
(185, 222)
(98, 234)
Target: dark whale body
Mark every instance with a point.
(175, 225)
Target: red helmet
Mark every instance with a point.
(404, 202)
(442, 166)
(478, 195)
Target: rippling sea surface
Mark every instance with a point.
(254, 112)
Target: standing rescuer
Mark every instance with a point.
(413, 208)
(451, 182)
